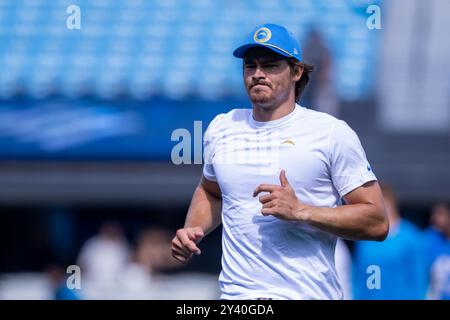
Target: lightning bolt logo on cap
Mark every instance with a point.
(262, 35)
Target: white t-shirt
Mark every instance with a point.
(263, 256)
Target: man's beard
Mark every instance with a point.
(260, 99)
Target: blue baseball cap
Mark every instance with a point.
(274, 37)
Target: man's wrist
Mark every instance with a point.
(304, 213)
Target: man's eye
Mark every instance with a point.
(271, 65)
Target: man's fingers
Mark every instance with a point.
(266, 198)
(190, 245)
(179, 252)
(196, 235)
(269, 204)
(179, 246)
(283, 179)
(265, 188)
(186, 242)
(180, 257)
(268, 211)
(188, 248)
(199, 233)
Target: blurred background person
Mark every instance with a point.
(320, 93)
(437, 239)
(151, 257)
(153, 251)
(400, 258)
(103, 258)
(151, 272)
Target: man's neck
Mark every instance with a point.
(273, 113)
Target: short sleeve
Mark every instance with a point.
(348, 163)
(209, 149)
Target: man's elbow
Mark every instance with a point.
(380, 231)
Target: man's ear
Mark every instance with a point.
(298, 71)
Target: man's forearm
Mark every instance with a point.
(353, 222)
(204, 211)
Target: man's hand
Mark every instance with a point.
(282, 201)
(184, 244)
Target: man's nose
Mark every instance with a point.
(259, 73)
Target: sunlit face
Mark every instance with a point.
(268, 77)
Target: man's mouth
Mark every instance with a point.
(259, 84)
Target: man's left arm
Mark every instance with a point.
(362, 218)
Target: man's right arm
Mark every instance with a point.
(204, 215)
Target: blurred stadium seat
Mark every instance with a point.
(174, 48)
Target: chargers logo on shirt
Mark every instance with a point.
(262, 35)
(288, 141)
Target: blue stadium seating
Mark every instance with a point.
(173, 48)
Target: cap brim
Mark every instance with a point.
(242, 50)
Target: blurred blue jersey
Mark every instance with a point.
(401, 261)
(438, 264)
